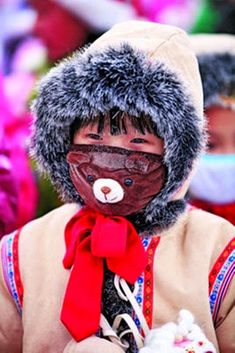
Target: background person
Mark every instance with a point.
(213, 186)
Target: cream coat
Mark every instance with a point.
(182, 263)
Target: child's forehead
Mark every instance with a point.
(118, 122)
(125, 126)
(112, 118)
(108, 120)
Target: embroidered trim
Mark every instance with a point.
(220, 278)
(144, 296)
(149, 281)
(4, 263)
(140, 281)
(10, 260)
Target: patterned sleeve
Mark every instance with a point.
(10, 321)
(11, 270)
(222, 297)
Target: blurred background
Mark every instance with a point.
(34, 36)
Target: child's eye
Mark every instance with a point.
(94, 136)
(139, 140)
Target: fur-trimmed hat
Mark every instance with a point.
(216, 56)
(139, 68)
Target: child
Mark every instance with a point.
(213, 186)
(119, 128)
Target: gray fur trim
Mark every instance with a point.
(91, 83)
(155, 219)
(218, 76)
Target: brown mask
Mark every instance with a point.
(113, 180)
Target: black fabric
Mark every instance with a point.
(113, 305)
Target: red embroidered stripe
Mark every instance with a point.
(149, 281)
(220, 262)
(18, 281)
(220, 278)
(223, 289)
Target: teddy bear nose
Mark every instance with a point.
(105, 190)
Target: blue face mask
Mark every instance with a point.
(214, 180)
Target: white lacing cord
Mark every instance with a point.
(120, 292)
(108, 331)
(132, 328)
(111, 331)
(130, 296)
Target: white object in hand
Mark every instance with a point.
(180, 337)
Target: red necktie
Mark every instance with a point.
(90, 238)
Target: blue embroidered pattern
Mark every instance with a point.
(9, 273)
(221, 284)
(140, 283)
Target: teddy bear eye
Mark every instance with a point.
(90, 178)
(128, 181)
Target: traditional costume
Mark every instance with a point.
(121, 267)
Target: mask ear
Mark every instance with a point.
(76, 158)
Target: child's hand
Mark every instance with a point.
(92, 344)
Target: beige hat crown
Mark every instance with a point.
(167, 44)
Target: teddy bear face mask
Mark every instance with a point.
(113, 180)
